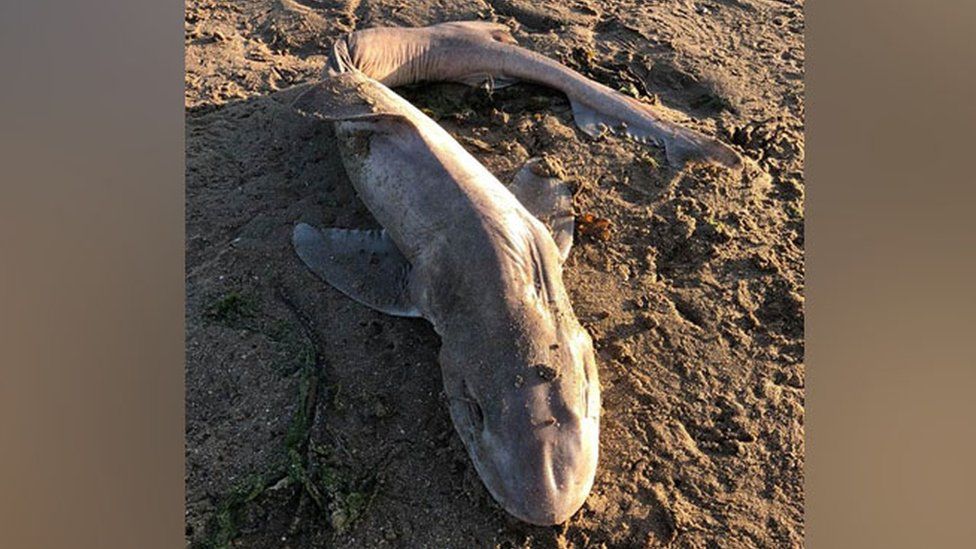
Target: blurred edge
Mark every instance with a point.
(91, 275)
(890, 263)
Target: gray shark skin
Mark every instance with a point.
(476, 53)
(518, 368)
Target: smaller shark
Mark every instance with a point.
(479, 53)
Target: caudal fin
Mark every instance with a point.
(689, 146)
(681, 145)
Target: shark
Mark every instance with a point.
(479, 53)
(480, 260)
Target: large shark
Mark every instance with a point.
(480, 260)
(461, 250)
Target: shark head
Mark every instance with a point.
(524, 395)
(531, 425)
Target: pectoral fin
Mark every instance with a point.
(363, 264)
(539, 188)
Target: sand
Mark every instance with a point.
(313, 421)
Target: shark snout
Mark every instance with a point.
(555, 495)
(544, 481)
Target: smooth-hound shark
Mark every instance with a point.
(480, 261)
(478, 53)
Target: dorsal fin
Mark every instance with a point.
(541, 190)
